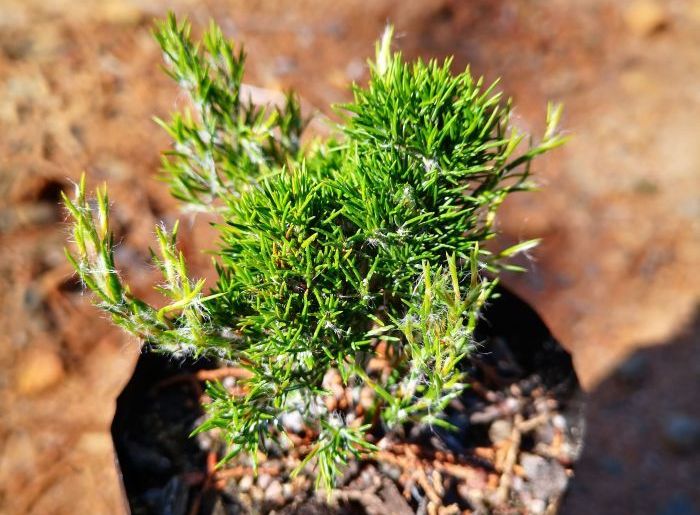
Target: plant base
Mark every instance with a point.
(520, 431)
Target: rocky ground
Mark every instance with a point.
(618, 210)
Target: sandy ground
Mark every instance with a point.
(619, 210)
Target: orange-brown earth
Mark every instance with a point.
(619, 209)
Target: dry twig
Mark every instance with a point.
(501, 495)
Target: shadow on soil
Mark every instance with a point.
(638, 458)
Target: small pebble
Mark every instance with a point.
(547, 479)
(532, 464)
(264, 481)
(518, 483)
(293, 421)
(390, 471)
(500, 430)
(368, 475)
(545, 434)
(274, 493)
(245, 483)
(229, 382)
(256, 493)
(511, 405)
(536, 506)
(559, 421)
(682, 433)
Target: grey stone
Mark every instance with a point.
(547, 479)
(274, 493)
(682, 433)
(264, 481)
(245, 483)
(293, 421)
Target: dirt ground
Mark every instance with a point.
(619, 210)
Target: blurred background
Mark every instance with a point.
(619, 210)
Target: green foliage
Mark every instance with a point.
(186, 329)
(337, 442)
(227, 142)
(436, 332)
(366, 245)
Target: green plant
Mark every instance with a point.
(361, 248)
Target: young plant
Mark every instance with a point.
(358, 256)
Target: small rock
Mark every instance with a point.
(274, 493)
(511, 405)
(547, 479)
(367, 478)
(39, 369)
(682, 433)
(293, 421)
(645, 17)
(544, 434)
(229, 382)
(245, 483)
(532, 464)
(390, 471)
(500, 430)
(264, 481)
(256, 493)
(517, 483)
(536, 506)
(559, 421)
